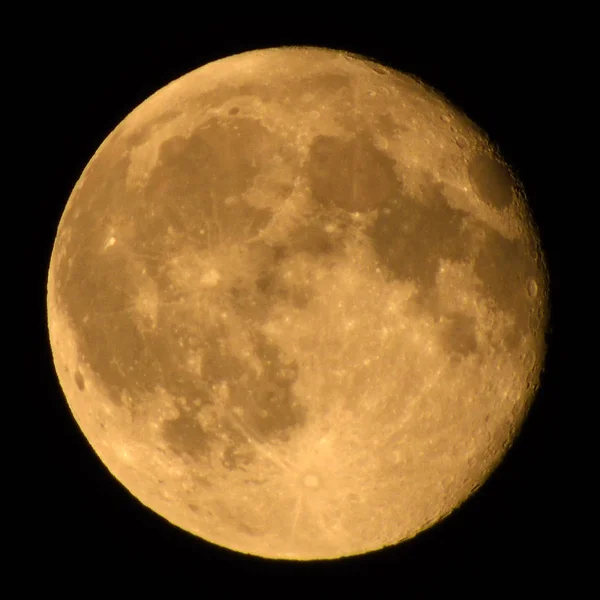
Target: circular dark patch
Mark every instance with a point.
(491, 180)
(79, 381)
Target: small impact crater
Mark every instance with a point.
(79, 380)
(311, 481)
(532, 288)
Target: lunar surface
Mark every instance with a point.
(297, 304)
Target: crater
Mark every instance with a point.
(532, 288)
(311, 481)
(380, 70)
(79, 380)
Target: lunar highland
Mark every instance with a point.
(297, 304)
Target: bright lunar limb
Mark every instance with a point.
(297, 305)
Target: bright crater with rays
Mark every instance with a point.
(297, 305)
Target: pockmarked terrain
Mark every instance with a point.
(297, 304)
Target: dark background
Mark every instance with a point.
(516, 530)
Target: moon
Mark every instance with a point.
(297, 304)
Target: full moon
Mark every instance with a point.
(297, 304)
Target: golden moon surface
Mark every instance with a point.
(297, 304)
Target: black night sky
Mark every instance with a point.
(513, 531)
